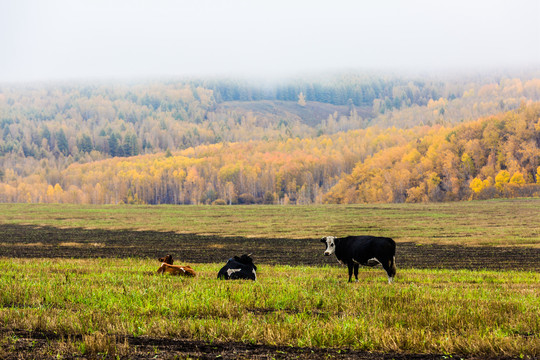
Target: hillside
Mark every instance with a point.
(312, 113)
(55, 125)
(497, 156)
(233, 141)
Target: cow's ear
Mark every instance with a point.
(323, 240)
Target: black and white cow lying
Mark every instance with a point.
(363, 250)
(238, 268)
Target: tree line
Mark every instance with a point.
(385, 92)
(497, 156)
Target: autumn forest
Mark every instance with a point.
(340, 138)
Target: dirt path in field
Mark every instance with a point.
(42, 242)
(41, 345)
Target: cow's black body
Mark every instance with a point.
(365, 250)
(238, 268)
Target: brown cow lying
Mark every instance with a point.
(167, 267)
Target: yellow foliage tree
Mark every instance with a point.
(50, 193)
(517, 179)
(502, 178)
(476, 185)
(57, 194)
(468, 163)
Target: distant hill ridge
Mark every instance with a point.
(497, 156)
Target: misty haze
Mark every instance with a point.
(59, 40)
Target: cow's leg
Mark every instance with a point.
(356, 271)
(390, 266)
(350, 266)
(161, 269)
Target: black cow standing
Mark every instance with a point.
(239, 268)
(363, 250)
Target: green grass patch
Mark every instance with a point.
(424, 311)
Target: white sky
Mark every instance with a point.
(76, 39)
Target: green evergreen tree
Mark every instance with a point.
(62, 142)
(113, 145)
(85, 144)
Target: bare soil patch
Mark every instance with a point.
(20, 241)
(42, 345)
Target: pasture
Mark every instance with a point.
(79, 281)
(494, 222)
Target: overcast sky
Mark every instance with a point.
(72, 39)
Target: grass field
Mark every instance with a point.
(71, 292)
(495, 222)
(442, 312)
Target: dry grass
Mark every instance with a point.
(100, 301)
(36, 244)
(484, 223)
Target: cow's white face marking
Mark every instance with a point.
(330, 245)
(254, 273)
(232, 271)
